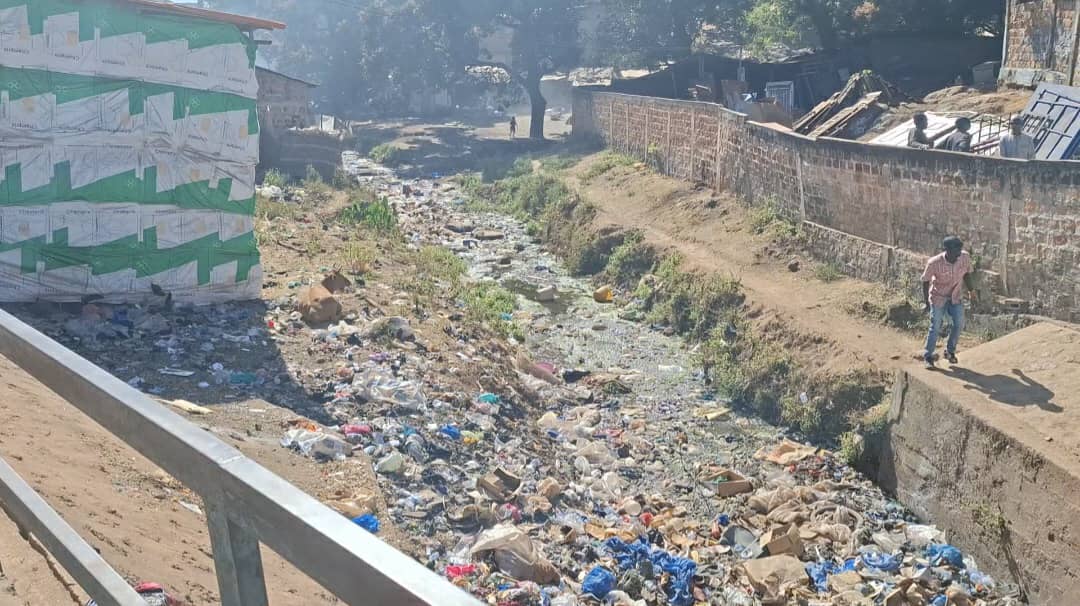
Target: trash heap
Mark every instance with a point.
(589, 466)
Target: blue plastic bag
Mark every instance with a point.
(819, 573)
(598, 583)
(945, 554)
(368, 522)
(451, 432)
(881, 561)
(939, 600)
(682, 570)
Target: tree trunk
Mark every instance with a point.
(539, 107)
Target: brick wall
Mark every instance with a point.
(1041, 41)
(1019, 217)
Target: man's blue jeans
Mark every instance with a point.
(937, 314)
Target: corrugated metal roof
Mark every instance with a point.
(242, 21)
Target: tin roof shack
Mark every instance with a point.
(916, 64)
(1041, 42)
(128, 149)
(284, 101)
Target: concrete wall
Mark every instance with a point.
(1041, 43)
(292, 151)
(1020, 218)
(987, 484)
(283, 102)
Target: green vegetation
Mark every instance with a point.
(357, 257)
(768, 219)
(441, 264)
(692, 304)
(828, 272)
(377, 215)
(273, 210)
(605, 163)
(524, 196)
(386, 154)
(489, 304)
(315, 189)
(275, 177)
(342, 180)
(629, 261)
(752, 372)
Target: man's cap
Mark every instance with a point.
(1017, 120)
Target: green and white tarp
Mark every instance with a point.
(128, 145)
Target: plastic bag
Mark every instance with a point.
(598, 583)
(368, 522)
(515, 554)
(945, 554)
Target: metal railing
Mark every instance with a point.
(246, 504)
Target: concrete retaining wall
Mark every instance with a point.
(1020, 218)
(987, 453)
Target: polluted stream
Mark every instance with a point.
(627, 480)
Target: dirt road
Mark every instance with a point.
(144, 523)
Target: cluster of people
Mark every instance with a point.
(1013, 144)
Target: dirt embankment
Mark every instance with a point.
(802, 345)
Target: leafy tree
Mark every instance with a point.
(545, 38)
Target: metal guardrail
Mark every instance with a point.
(246, 504)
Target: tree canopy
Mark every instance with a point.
(376, 54)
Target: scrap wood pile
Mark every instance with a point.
(847, 110)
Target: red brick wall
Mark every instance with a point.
(1020, 218)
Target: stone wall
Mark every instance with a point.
(1041, 43)
(1019, 218)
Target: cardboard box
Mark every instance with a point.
(783, 540)
(730, 483)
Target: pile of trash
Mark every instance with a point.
(589, 465)
(594, 483)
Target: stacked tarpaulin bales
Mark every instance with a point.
(128, 140)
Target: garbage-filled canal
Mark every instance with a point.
(622, 477)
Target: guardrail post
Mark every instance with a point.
(237, 560)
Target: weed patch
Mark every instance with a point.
(489, 304)
(377, 215)
(828, 272)
(768, 219)
(629, 261)
(275, 178)
(605, 163)
(386, 154)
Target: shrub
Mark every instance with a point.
(377, 215)
(276, 178)
(385, 153)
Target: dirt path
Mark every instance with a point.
(141, 520)
(713, 234)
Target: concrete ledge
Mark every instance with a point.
(989, 451)
(1030, 78)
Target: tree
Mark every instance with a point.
(825, 23)
(636, 33)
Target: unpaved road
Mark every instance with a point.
(122, 504)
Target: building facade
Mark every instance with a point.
(1042, 42)
(128, 142)
(284, 101)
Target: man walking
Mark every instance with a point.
(944, 280)
(513, 126)
(1016, 143)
